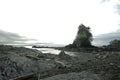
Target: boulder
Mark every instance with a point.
(84, 75)
(63, 55)
(59, 64)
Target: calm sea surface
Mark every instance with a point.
(50, 50)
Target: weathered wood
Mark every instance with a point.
(32, 57)
(41, 75)
(76, 67)
(48, 73)
(24, 77)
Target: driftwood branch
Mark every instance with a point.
(41, 75)
(52, 72)
(24, 77)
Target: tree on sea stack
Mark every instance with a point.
(114, 43)
(83, 37)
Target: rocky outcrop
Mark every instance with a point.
(64, 56)
(16, 61)
(84, 75)
(23, 62)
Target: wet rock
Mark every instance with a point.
(8, 68)
(84, 75)
(13, 62)
(59, 64)
(12, 65)
(50, 56)
(32, 57)
(63, 55)
(111, 64)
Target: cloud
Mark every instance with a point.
(105, 0)
(104, 39)
(12, 38)
(118, 7)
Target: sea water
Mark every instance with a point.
(51, 50)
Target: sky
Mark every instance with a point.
(57, 21)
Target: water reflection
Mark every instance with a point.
(48, 50)
(54, 51)
(51, 50)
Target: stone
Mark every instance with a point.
(59, 64)
(63, 55)
(84, 75)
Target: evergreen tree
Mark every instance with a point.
(115, 43)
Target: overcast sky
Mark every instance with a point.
(57, 21)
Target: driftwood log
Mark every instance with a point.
(48, 73)
(24, 77)
(77, 67)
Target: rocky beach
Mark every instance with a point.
(20, 63)
(59, 39)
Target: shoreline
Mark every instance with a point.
(20, 61)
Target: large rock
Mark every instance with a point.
(75, 76)
(15, 63)
(63, 55)
(8, 68)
